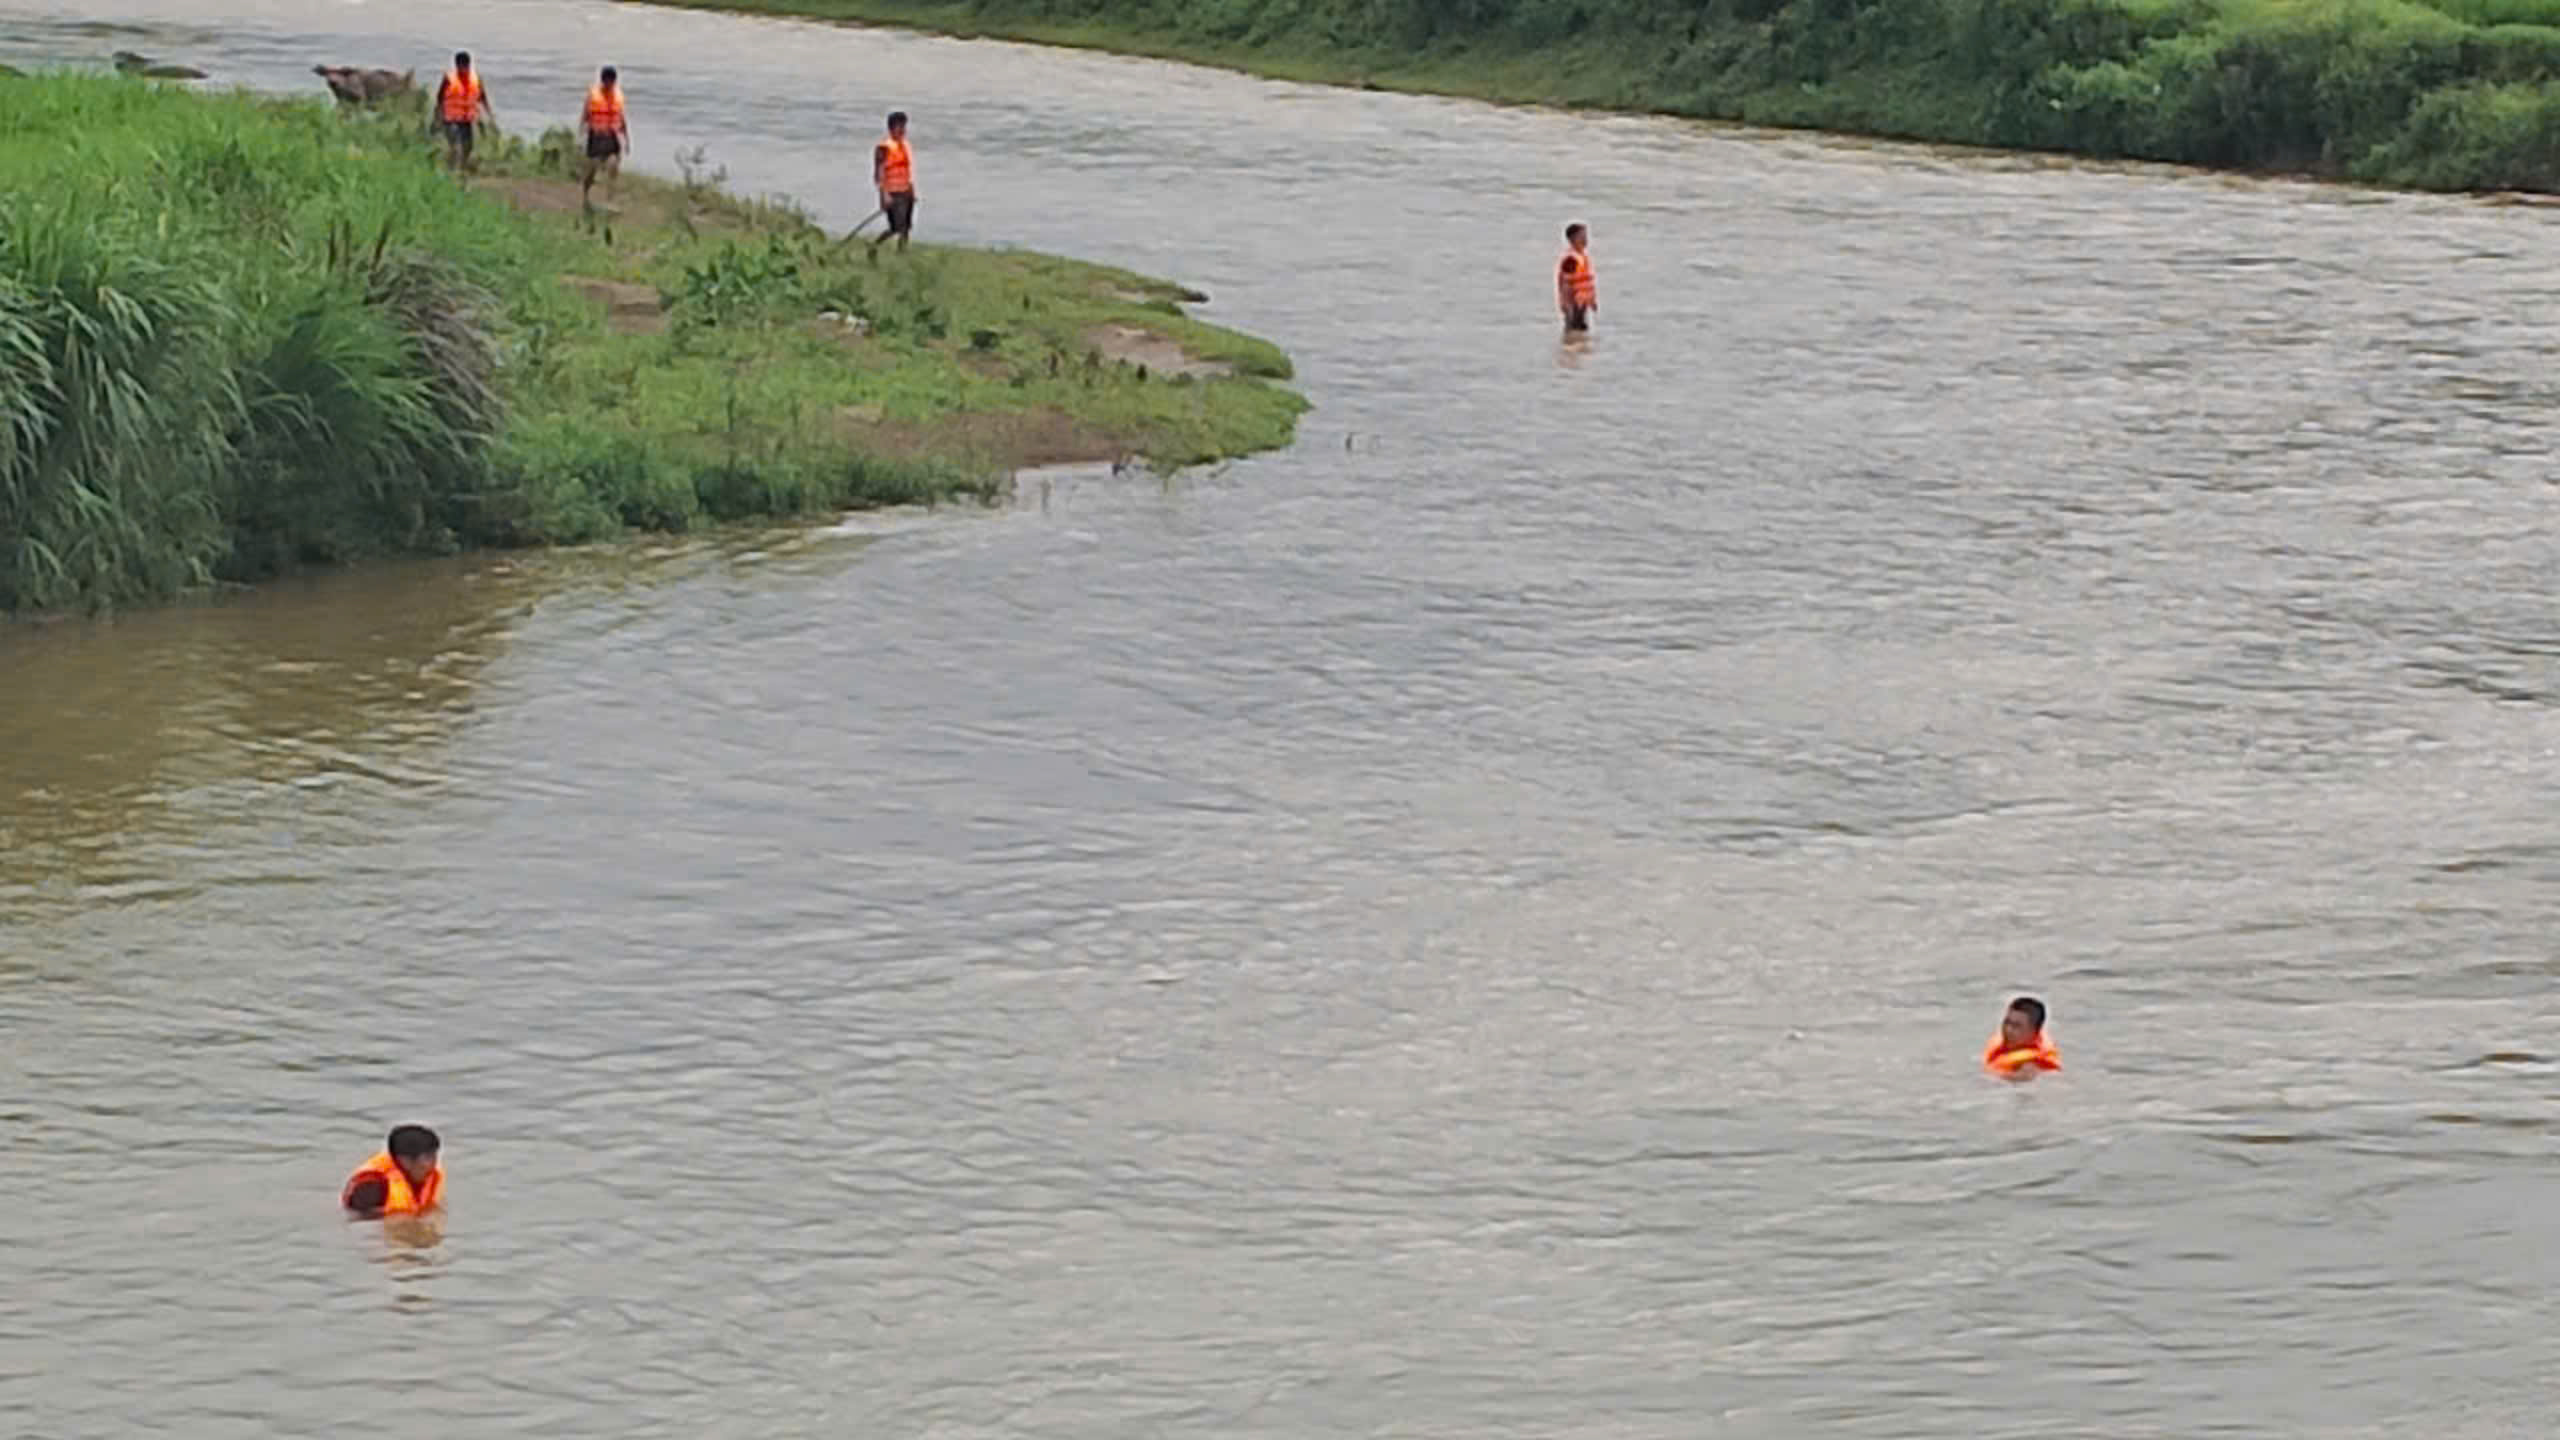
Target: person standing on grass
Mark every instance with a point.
(607, 133)
(893, 174)
(461, 104)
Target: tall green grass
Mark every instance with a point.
(234, 342)
(2450, 94)
(238, 336)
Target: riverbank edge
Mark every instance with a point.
(1590, 76)
(682, 357)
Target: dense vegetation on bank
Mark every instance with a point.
(240, 335)
(2445, 94)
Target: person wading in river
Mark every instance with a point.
(461, 104)
(403, 1180)
(607, 133)
(893, 174)
(2020, 1049)
(1577, 290)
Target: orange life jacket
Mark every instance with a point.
(2038, 1054)
(461, 96)
(1581, 286)
(897, 168)
(398, 1196)
(604, 110)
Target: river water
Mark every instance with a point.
(1480, 925)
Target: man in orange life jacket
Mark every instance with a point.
(461, 103)
(1577, 289)
(2020, 1049)
(402, 1180)
(607, 133)
(893, 174)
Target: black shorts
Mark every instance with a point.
(900, 207)
(1577, 318)
(603, 145)
(459, 132)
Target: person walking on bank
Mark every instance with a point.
(461, 104)
(1577, 289)
(893, 174)
(608, 135)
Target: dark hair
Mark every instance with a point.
(897, 118)
(461, 59)
(2033, 1007)
(610, 76)
(1573, 229)
(409, 1141)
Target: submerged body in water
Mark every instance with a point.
(405, 1179)
(2021, 1049)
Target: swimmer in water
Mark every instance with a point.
(2020, 1049)
(404, 1180)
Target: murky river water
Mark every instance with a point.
(1477, 926)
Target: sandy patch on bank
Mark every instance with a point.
(534, 197)
(1002, 440)
(1131, 345)
(629, 309)
(625, 209)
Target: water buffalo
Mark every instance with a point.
(128, 63)
(354, 85)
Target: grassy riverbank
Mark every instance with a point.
(2444, 94)
(241, 335)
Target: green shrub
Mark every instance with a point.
(2511, 54)
(2501, 12)
(2475, 136)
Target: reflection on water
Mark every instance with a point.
(1478, 926)
(274, 686)
(406, 1243)
(123, 725)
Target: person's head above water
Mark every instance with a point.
(414, 1149)
(461, 59)
(2022, 1023)
(897, 122)
(611, 75)
(1576, 234)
